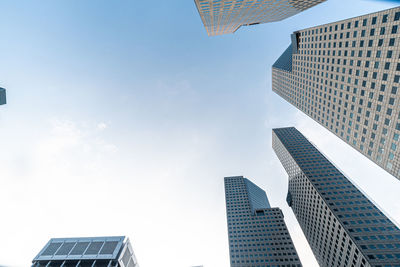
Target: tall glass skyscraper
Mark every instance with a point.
(114, 251)
(226, 16)
(342, 226)
(345, 75)
(258, 236)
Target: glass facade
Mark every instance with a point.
(345, 75)
(113, 251)
(226, 16)
(342, 226)
(258, 236)
(3, 99)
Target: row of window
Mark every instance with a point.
(350, 24)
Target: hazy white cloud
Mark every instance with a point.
(101, 126)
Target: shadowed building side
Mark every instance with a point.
(3, 99)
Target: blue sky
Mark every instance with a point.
(123, 117)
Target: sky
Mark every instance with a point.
(123, 117)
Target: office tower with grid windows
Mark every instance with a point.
(343, 227)
(114, 251)
(226, 16)
(2, 96)
(258, 235)
(345, 75)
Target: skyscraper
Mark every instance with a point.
(2, 96)
(258, 235)
(342, 226)
(345, 75)
(226, 16)
(115, 251)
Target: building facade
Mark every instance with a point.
(258, 236)
(114, 251)
(226, 16)
(343, 227)
(345, 75)
(2, 96)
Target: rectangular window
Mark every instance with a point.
(373, 20)
(394, 29)
(372, 32)
(391, 42)
(384, 18)
(396, 17)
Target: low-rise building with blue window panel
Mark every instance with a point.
(114, 251)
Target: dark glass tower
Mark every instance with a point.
(342, 226)
(3, 99)
(258, 236)
(115, 251)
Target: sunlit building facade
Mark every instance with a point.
(343, 227)
(226, 16)
(258, 235)
(345, 75)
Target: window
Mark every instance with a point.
(396, 17)
(372, 32)
(384, 18)
(391, 42)
(373, 20)
(394, 29)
